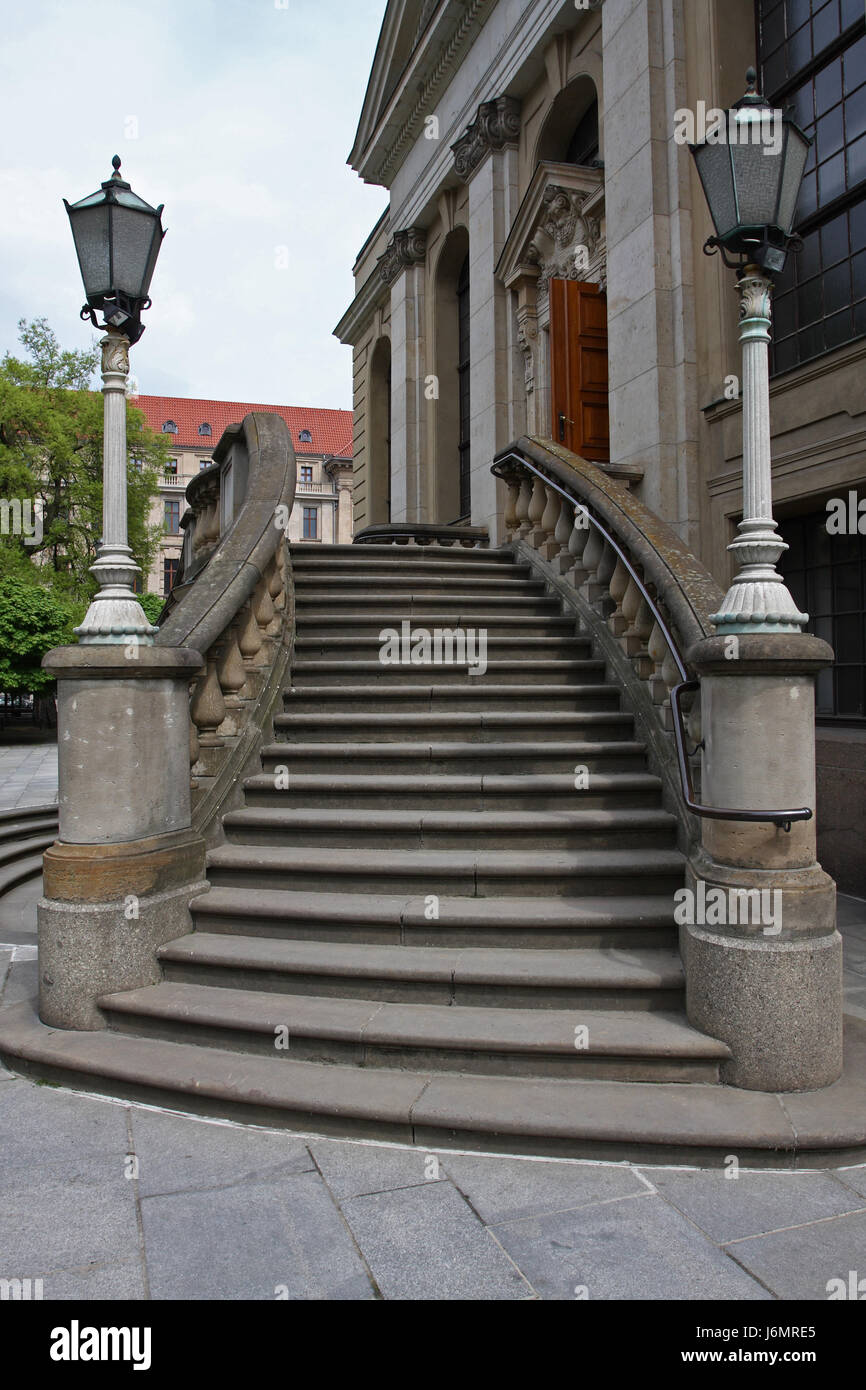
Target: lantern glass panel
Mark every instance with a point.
(757, 166)
(133, 237)
(90, 231)
(714, 167)
(794, 162)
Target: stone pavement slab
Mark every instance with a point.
(352, 1170)
(633, 1248)
(729, 1208)
(115, 1282)
(49, 1137)
(800, 1262)
(176, 1154)
(67, 1222)
(263, 1240)
(425, 1243)
(502, 1189)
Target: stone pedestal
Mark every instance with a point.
(118, 880)
(762, 955)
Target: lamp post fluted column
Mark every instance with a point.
(115, 614)
(758, 599)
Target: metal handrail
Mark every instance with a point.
(686, 683)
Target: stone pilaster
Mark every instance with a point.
(402, 268)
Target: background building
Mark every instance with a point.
(323, 445)
(540, 270)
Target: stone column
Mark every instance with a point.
(486, 157)
(402, 267)
(763, 958)
(118, 880)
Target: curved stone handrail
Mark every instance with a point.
(233, 603)
(560, 506)
(422, 533)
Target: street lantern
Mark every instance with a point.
(751, 164)
(117, 238)
(751, 176)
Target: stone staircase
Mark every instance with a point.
(416, 892)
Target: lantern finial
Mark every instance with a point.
(115, 164)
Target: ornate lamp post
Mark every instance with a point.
(117, 238)
(751, 167)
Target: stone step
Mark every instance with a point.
(434, 760)
(21, 870)
(359, 647)
(528, 793)
(450, 828)
(614, 1120)
(487, 726)
(325, 568)
(610, 978)
(27, 828)
(26, 845)
(357, 601)
(367, 625)
(530, 671)
(479, 583)
(399, 555)
(474, 873)
(635, 1045)
(433, 694)
(370, 916)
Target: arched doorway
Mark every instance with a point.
(379, 446)
(452, 453)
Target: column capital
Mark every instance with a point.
(496, 124)
(406, 247)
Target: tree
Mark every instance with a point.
(32, 621)
(51, 429)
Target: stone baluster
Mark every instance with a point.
(619, 583)
(275, 591)
(523, 503)
(208, 711)
(232, 676)
(549, 545)
(658, 653)
(537, 506)
(571, 561)
(511, 521)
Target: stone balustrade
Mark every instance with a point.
(640, 593)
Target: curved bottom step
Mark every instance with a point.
(621, 1121)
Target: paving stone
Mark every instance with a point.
(855, 1178)
(115, 1282)
(506, 1189)
(799, 1263)
(249, 1241)
(22, 982)
(729, 1208)
(425, 1243)
(636, 1248)
(177, 1154)
(354, 1169)
(52, 1137)
(51, 1224)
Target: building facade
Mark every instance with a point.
(323, 446)
(540, 270)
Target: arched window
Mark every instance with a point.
(205, 429)
(463, 448)
(583, 146)
(305, 437)
(169, 427)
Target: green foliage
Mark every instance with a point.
(51, 433)
(51, 449)
(32, 621)
(152, 604)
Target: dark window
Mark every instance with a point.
(136, 584)
(826, 575)
(169, 573)
(306, 473)
(172, 516)
(204, 463)
(463, 444)
(171, 466)
(583, 146)
(205, 429)
(311, 524)
(305, 437)
(169, 427)
(813, 61)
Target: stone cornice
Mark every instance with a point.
(406, 247)
(372, 294)
(496, 124)
(385, 135)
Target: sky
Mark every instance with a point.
(238, 115)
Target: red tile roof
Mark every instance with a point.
(331, 429)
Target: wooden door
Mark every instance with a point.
(578, 369)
